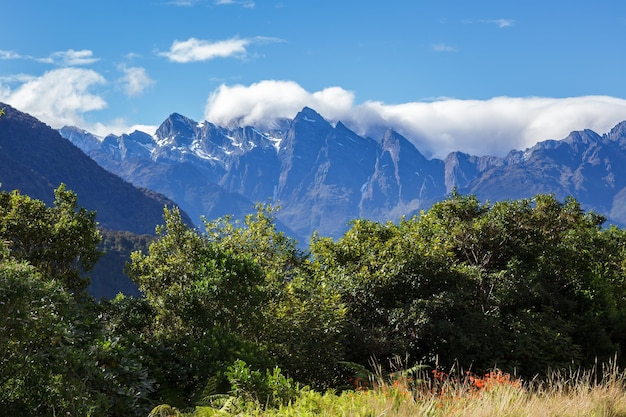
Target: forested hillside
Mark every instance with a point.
(527, 285)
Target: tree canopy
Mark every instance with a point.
(525, 285)
(60, 241)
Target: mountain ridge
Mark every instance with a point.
(324, 175)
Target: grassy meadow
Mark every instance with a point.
(439, 394)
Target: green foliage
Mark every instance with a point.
(60, 241)
(55, 356)
(207, 304)
(271, 389)
(164, 410)
(235, 292)
(528, 274)
(302, 317)
(239, 310)
(526, 285)
(386, 282)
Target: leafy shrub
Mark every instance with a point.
(269, 390)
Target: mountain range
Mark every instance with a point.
(322, 175)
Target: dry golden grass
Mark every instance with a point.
(573, 394)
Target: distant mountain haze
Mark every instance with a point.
(324, 175)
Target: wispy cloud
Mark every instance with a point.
(185, 3)
(70, 58)
(479, 127)
(442, 47)
(9, 55)
(501, 23)
(16, 78)
(195, 50)
(135, 80)
(65, 58)
(132, 55)
(249, 4)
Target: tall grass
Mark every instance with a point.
(598, 393)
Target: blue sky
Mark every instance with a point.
(479, 76)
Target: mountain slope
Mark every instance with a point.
(35, 159)
(321, 175)
(403, 180)
(322, 171)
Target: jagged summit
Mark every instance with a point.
(618, 132)
(309, 115)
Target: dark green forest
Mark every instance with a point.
(526, 285)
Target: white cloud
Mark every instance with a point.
(118, 127)
(71, 57)
(249, 4)
(184, 3)
(58, 97)
(497, 125)
(269, 100)
(135, 80)
(9, 55)
(16, 78)
(65, 58)
(193, 49)
(442, 47)
(501, 23)
(478, 127)
(132, 55)
(504, 23)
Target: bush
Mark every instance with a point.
(269, 390)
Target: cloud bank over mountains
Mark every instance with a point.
(479, 127)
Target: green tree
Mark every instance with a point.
(60, 241)
(389, 284)
(303, 317)
(206, 304)
(237, 291)
(529, 280)
(56, 356)
(525, 285)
